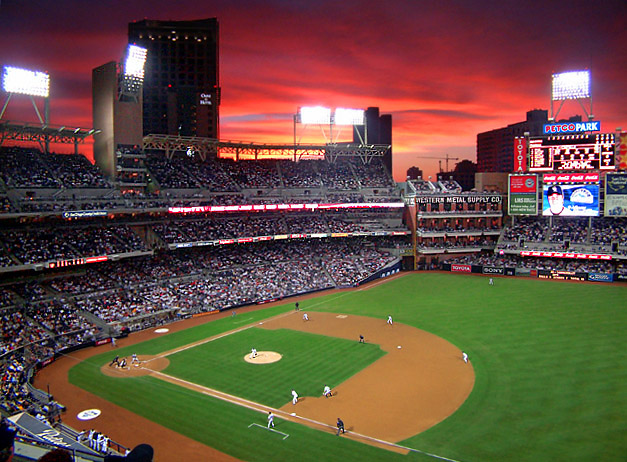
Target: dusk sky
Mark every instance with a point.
(445, 70)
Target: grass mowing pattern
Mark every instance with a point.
(309, 363)
(549, 357)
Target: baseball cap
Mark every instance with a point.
(554, 189)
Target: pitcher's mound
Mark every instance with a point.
(263, 357)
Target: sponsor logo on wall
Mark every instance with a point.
(600, 277)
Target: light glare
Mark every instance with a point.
(345, 116)
(315, 115)
(571, 85)
(135, 60)
(16, 80)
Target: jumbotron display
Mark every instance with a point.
(572, 152)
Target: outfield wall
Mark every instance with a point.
(536, 273)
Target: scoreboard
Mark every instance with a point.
(572, 152)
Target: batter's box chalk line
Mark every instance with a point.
(285, 435)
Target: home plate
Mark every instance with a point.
(399, 347)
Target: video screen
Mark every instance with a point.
(570, 200)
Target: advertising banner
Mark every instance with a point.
(601, 277)
(460, 199)
(523, 195)
(615, 195)
(520, 154)
(571, 177)
(549, 254)
(461, 268)
(621, 152)
(562, 275)
(492, 270)
(45, 433)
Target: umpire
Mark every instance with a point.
(340, 427)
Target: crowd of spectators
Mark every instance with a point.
(62, 320)
(42, 244)
(18, 331)
(56, 183)
(13, 396)
(596, 234)
(198, 229)
(73, 308)
(457, 243)
(227, 276)
(185, 172)
(30, 168)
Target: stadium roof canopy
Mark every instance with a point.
(241, 150)
(44, 134)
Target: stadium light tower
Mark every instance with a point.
(322, 116)
(573, 85)
(132, 76)
(16, 81)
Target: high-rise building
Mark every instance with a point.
(377, 130)
(495, 148)
(181, 91)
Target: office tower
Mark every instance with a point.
(181, 92)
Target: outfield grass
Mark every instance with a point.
(550, 359)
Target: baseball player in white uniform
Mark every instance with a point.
(465, 357)
(305, 317)
(134, 359)
(270, 419)
(327, 391)
(390, 320)
(294, 397)
(253, 353)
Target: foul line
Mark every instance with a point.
(216, 337)
(282, 414)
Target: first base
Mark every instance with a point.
(399, 347)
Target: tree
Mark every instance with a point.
(466, 166)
